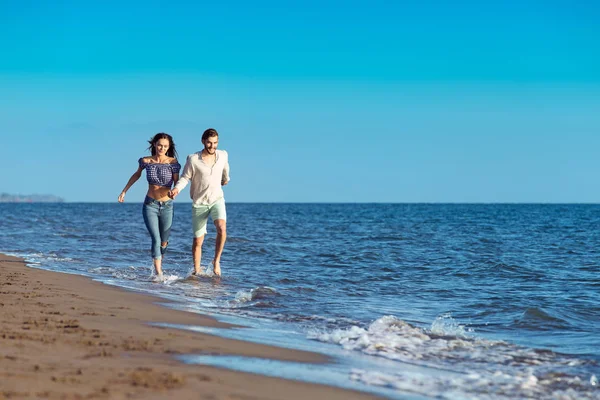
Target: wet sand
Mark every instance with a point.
(65, 336)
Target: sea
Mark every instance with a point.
(409, 301)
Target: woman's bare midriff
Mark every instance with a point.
(159, 193)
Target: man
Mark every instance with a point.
(207, 170)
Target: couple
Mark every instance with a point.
(207, 170)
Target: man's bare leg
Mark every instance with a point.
(221, 226)
(197, 253)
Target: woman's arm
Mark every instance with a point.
(176, 168)
(136, 175)
(184, 178)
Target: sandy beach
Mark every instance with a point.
(65, 336)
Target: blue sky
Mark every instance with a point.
(328, 101)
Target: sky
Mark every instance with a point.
(315, 101)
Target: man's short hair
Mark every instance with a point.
(210, 132)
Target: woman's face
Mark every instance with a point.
(161, 146)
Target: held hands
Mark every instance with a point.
(173, 193)
(122, 197)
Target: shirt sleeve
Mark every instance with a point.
(176, 167)
(186, 175)
(142, 163)
(226, 177)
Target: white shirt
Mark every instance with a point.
(206, 187)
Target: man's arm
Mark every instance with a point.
(184, 178)
(225, 178)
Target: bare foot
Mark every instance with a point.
(158, 278)
(217, 267)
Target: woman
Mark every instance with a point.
(162, 172)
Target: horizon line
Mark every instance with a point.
(330, 202)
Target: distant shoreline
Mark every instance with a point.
(31, 198)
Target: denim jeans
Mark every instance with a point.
(158, 216)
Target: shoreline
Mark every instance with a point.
(67, 336)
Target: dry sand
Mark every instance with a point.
(67, 337)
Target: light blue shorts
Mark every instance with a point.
(200, 213)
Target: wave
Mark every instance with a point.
(260, 292)
(481, 367)
(538, 319)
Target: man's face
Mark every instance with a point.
(210, 144)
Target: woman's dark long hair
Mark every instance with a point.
(171, 152)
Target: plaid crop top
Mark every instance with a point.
(160, 174)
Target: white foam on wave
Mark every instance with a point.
(482, 386)
(131, 273)
(261, 292)
(447, 341)
(243, 296)
(389, 337)
(39, 258)
(165, 279)
(136, 273)
(102, 270)
(487, 369)
(445, 325)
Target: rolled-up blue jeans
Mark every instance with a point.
(158, 216)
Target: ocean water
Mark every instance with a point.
(410, 300)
